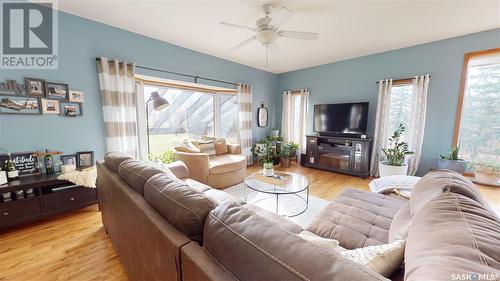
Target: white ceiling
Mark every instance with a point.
(346, 29)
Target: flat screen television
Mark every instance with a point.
(341, 118)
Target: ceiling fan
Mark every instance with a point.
(268, 30)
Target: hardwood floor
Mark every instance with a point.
(74, 246)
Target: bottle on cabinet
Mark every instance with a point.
(12, 172)
(49, 163)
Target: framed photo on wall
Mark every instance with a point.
(19, 104)
(50, 106)
(71, 109)
(84, 159)
(35, 87)
(56, 90)
(76, 96)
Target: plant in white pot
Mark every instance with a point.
(394, 163)
(452, 161)
(487, 173)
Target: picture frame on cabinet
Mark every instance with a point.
(84, 159)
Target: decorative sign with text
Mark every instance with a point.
(25, 162)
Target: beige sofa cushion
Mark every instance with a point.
(252, 248)
(207, 147)
(453, 235)
(220, 144)
(357, 218)
(188, 146)
(182, 206)
(226, 163)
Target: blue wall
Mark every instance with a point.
(354, 80)
(80, 41)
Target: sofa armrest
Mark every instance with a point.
(234, 148)
(197, 164)
(179, 169)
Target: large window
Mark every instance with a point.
(477, 129)
(190, 115)
(400, 108)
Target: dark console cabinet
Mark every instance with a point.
(35, 197)
(339, 154)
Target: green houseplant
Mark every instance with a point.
(285, 153)
(452, 161)
(395, 153)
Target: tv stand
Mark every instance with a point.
(348, 155)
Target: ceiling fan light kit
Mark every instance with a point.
(268, 30)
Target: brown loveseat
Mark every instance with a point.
(169, 227)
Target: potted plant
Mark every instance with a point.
(452, 161)
(294, 148)
(395, 154)
(285, 154)
(487, 173)
(266, 157)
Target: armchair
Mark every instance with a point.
(219, 171)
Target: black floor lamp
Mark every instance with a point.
(159, 103)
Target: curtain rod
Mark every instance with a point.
(402, 79)
(196, 77)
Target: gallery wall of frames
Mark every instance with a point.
(37, 96)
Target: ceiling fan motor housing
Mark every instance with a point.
(266, 34)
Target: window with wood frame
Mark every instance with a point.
(477, 124)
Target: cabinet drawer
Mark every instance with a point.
(19, 210)
(68, 199)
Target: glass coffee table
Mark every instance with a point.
(281, 184)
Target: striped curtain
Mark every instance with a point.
(245, 120)
(117, 84)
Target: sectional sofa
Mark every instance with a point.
(166, 226)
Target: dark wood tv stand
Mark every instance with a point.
(346, 155)
(49, 196)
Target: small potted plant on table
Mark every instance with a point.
(395, 154)
(266, 157)
(452, 161)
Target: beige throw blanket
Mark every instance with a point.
(86, 177)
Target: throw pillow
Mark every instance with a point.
(384, 259)
(207, 147)
(220, 144)
(329, 244)
(188, 146)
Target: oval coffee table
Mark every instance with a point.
(280, 184)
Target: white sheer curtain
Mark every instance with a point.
(381, 123)
(294, 117)
(417, 121)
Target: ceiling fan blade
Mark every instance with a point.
(281, 17)
(237, 26)
(244, 42)
(275, 48)
(311, 36)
